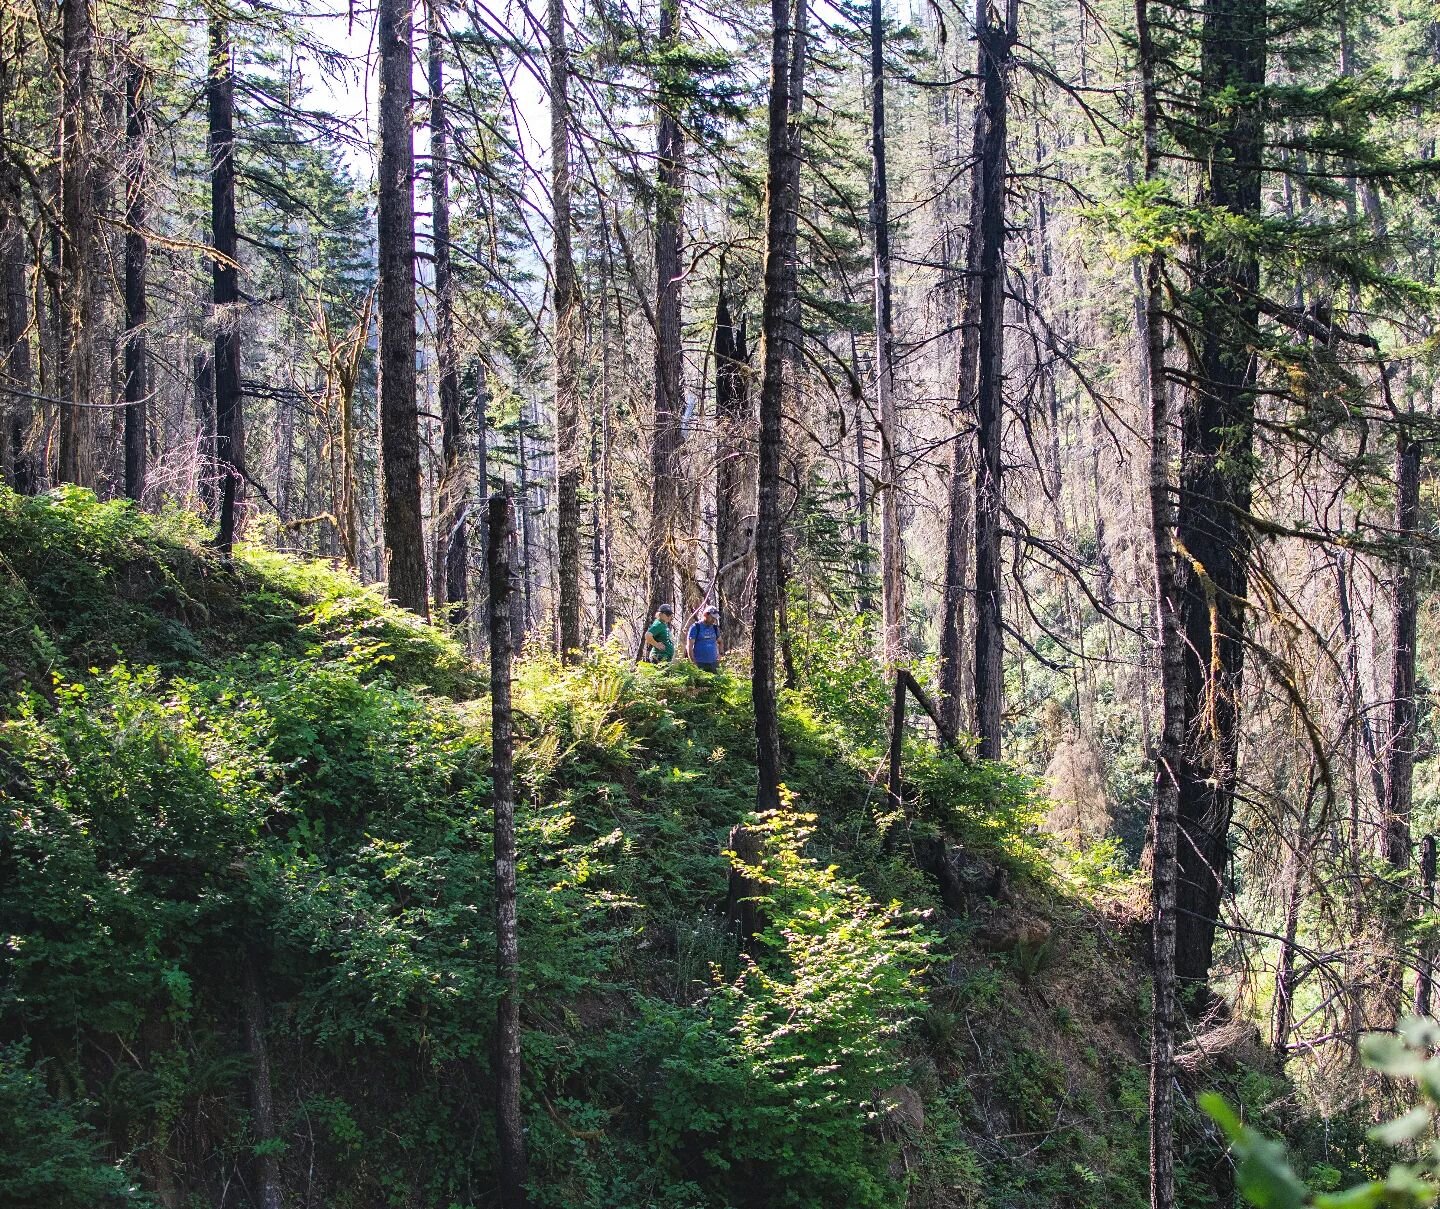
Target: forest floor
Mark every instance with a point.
(248, 798)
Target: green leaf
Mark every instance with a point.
(1361, 1197)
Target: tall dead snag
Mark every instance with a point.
(997, 36)
(1217, 439)
(782, 200)
(225, 276)
(77, 216)
(508, 1125)
(137, 385)
(892, 549)
(1170, 757)
(566, 337)
(669, 379)
(452, 557)
(734, 470)
(399, 420)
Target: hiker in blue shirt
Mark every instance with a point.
(702, 643)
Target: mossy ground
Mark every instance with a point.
(224, 774)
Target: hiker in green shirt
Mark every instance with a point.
(659, 643)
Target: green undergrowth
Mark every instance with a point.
(249, 795)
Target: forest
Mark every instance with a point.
(1039, 393)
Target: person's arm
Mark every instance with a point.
(650, 642)
(690, 644)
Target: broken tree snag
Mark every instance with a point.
(1425, 963)
(946, 732)
(508, 1126)
(742, 912)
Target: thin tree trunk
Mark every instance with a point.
(399, 422)
(225, 275)
(137, 384)
(509, 1127)
(566, 334)
(892, 550)
(1295, 875)
(262, 1101)
(451, 586)
(669, 383)
(1164, 820)
(204, 384)
(77, 210)
(864, 600)
(787, 67)
(20, 468)
(482, 473)
(996, 40)
(1425, 964)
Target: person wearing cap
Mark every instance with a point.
(659, 643)
(702, 642)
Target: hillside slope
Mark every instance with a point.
(246, 868)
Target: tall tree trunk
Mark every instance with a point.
(782, 201)
(566, 336)
(225, 275)
(20, 468)
(482, 474)
(962, 469)
(1215, 486)
(451, 586)
(996, 39)
(509, 1127)
(734, 471)
(1170, 756)
(1296, 872)
(77, 214)
(892, 549)
(399, 420)
(864, 601)
(137, 385)
(1425, 960)
(1401, 732)
(669, 382)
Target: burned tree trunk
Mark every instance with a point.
(566, 335)
(509, 1127)
(669, 378)
(997, 37)
(451, 587)
(734, 472)
(225, 275)
(787, 68)
(892, 550)
(137, 386)
(399, 421)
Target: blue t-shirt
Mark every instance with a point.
(706, 638)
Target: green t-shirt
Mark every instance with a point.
(661, 633)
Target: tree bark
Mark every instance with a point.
(399, 420)
(509, 1126)
(1215, 485)
(262, 1100)
(451, 586)
(1425, 964)
(20, 469)
(669, 377)
(203, 377)
(225, 276)
(137, 385)
(734, 471)
(482, 475)
(567, 322)
(962, 468)
(1170, 641)
(996, 39)
(77, 211)
(892, 549)
(782, 200)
